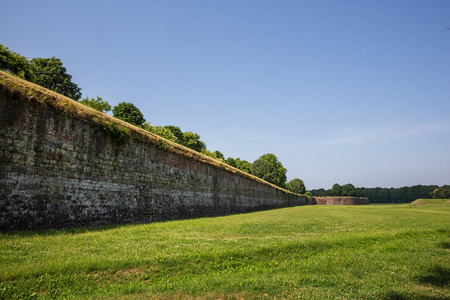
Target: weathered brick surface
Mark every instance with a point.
(59, 171)
(343, 200)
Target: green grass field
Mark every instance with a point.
(307, 252)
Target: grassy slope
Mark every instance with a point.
(317, 252)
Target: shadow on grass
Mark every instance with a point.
(437, 276)
(392, 295)
(445, 245)
(58, 231)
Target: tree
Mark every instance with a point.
(231, 161)
(441, 193)
(243, 165)
(161, 131)
(98, 104)
(348, 190)
(15, 64)
(127, 112)
(268, 168)
(177, 132)
(204, 151)
(219, 155)
(336, 190)
(296, 185)
(265, 170)
(50, 73)
(192, 140)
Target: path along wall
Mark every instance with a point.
(341, 200)
(63, 165)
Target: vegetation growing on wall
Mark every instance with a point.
(118, 134)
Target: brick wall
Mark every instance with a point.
(57, 170)
(343, 200)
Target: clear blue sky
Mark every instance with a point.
(340, 91)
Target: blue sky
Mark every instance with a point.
(340, 91)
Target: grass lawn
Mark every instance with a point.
(306, 252)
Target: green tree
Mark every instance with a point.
(348, 190)
(243, 165)
(231, 161)
(177, 132)
(98, 104)
(441, 193)
(50, 73)
(160, 131)
(15, 64)
(296, 185)
(127, 112)
(336, 190)
(204, 151)
(265, 170)
(192, 140)
(268, 168)
(219, 155)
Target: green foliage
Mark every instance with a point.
(176, 131)
(219, 155)
(296, 185)
(210, 154)
(441, 193)
(244, 165)
(231, 161)
(160, 131)
(387, 195)
(118, 135)
(50, 73)
(265, 170)
(128, 112)
(336, 190)
(97, 104)
(46, 72)
(192, 141)
(348, 190)
(189, 139)
(163, 144)
(15, 64)
(268, 168)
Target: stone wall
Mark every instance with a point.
(58, 169)
(343, 200)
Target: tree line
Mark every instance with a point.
(51, 74)
(387, 195)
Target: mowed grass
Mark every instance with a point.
(307, 252)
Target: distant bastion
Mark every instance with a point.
(341, 200)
